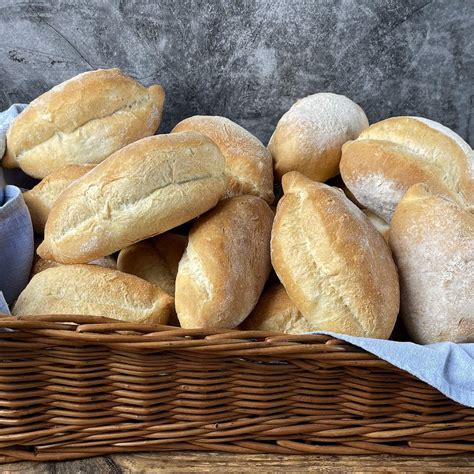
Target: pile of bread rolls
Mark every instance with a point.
(180, 228)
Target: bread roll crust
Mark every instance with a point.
(396, 153)
(334, 265)
(39, 264)
(308, 138)
(155, 260)
(41, 198)
(432, 239)
(95, 291)
(142, 190)
(249, 165)
(275, 312)
(225, 265)
(83, 120)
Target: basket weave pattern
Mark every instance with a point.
(73, 387)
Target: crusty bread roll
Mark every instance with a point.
(140, 191)
(308, 138)
(334, 265)
(392, 155)
(378, 223)
(225, 265)
(82, 120)
(41, 198)
(275, 312)
(155, 260)
(432, 239)
(95, 291)
(249, 166)
(40, 264)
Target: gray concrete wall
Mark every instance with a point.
(250, 60)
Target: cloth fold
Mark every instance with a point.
(16, 231)
(16, 244)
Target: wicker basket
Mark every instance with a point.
(74, 386)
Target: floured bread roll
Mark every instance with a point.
(41, 198)
(140, 191)
(83, 120)
(249, 165)
(225, 265)
(432, 239)
(155, 260)
(334, 265)
(94, 291)
(275, 312)
(308, 138)
(392, 155)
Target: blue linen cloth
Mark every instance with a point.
(16, 244)
(16, 230)
(446, 366)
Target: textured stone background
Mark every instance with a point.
(250, 60)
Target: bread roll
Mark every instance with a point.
(82, 120)
(41, 198)
(171, 247)
(249, 166)
(275, 312)
(308, 138)
(432, 239)
(41, 264)
(154, 260)
(334, 265)
(378, 223)
(392, 155)
(95, 291)
(225, 265)
(140, 191)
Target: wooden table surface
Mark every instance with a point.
(179, 462)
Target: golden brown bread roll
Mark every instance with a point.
(249, 164)
(155, 260)
(82, 120)
(334, 265)
(95, 291)
(41, 198)
(432, 239)
(140, 191)
(308, 138)
(392, 155)
(40, 264)
(275, 312)
(225, 265)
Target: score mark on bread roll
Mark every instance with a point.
(142, 190)
(41, 198)
(396, 153)
(249, 164)
(225, 265)
(308, 138)
(95, 291)
(334, 265)
(83, 120)
(432, 239)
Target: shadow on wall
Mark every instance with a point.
(251, 60)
